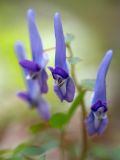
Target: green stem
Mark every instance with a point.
(73, 68)
(62, 144)
(83, 109)
(84, 134)
(49, 49)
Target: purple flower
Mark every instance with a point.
(34, 71)
(97, 120)
(64, 86)
(36, 67)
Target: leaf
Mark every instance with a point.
(5, 151)
(36, 128)
(88, 84)
(13, 158)
(26, 150)
(20, 148)
(75, 104)
(58, 120)
(73, 60)
(69, 38)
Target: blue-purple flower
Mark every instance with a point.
(97, 120)
(64, 85)
(34, 72)
(36, 67)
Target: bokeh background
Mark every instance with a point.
(96, 27)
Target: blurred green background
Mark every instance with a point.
(96, 27)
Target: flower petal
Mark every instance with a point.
(100, 86)
(20, 51)
(30, 65)
(43, 109)
(90, 124)
(60, 55)
(43, 81)
(58, 92)
(103, 125)
(21, 55)
(70, 90)
(35, 40)
(58, 71)
(25, 96)
(97, 105)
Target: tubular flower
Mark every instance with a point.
(64, 86)
(34, 71)
(97, 120)
(36, 67)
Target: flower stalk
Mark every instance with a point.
(84, 138)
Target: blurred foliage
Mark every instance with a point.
(88, 84)
(24, 151)
(103, 152)
(73, 60)
(69, 38)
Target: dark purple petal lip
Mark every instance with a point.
(58, 71)
(99, 104)
(30, 65)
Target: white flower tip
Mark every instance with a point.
(28, 77)
(57, 15)
(110, 52)
(18, 44)
(31, 13)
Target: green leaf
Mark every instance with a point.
(26, 150)
(58, 120)
(5, 151)
(13, 158)
(88, 84)
(36, 128)
(73, 60)
(32, 151)
(20, 148)
(69, 38)
(75, 104)
(4, 154)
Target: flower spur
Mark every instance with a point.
(36, 67)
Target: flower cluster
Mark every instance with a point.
(34, 70)
(36, 77)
